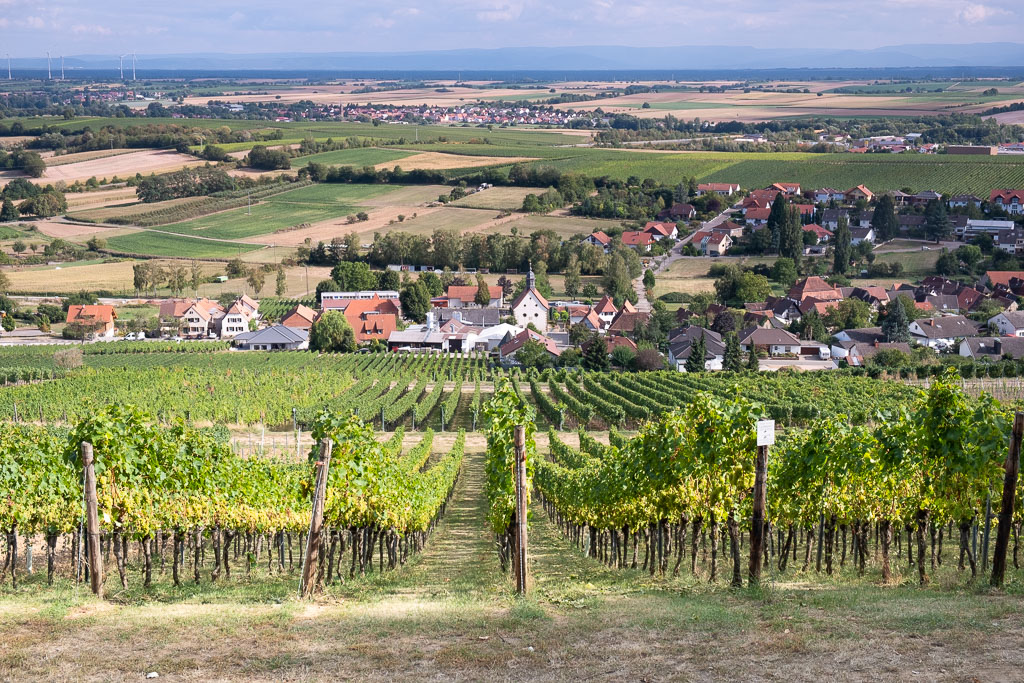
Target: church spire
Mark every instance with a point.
(531, 279)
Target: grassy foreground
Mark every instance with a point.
(450, 614)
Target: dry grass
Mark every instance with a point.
(150, 161)
(440, 161)
(91, 155)
(68, 278)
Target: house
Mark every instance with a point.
(530, 306)
(273, 338)
(365, 294)
(626, 321)
(98, 320)
(462, 296)
(788, 189)
(828, 194)
(861, 335)
(490, 338)
(681, 346)
(779, 343)
(995, 228)
(910, 222)
(638, 240)
(754, 204)
(729, 228)
(1009, 323)
(372, 318)
(715, 244)
(679, 212)
(940, 333)
(1000, 278)
(857, 193)
(426, 337)
(757, 216)
(1011, 201)
(611, 342)
(660, 231)
(481, 317)
(992, 348)
(723, 189)
(301, 318)
(876, 297)
(507, 350)
(814, 287)
(236, 319)
(599, 239)
(964, 200)
(191, 317)
(925, 196)
(820, 233)
(830, 218)
(858, 353)
(858, 235)
(605, 310)
(458, 336)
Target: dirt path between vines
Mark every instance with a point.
(449, 615)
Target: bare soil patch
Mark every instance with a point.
(149, 161)
(439, 161)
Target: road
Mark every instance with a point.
(676, 252)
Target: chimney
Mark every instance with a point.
(431, 322)
(931, 321)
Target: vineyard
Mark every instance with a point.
(179, 486)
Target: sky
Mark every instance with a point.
(28, 28)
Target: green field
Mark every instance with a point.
(305, 205)
(176, 246)
(357, 156)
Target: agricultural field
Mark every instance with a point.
(508, 198)
(116, 276)
(170, 245)
(358, 156)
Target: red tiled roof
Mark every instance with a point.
(605, 305)
(1007, 196)
(758, 214)
(664, 229)
(468, 292)
(601, 237)
(91, 314)
(636, 238)
(818, 230)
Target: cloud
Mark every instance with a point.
(975, 13)
(87, 29)
(501, 12)
(33, 22)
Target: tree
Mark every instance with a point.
(595, 356)
(624, 357)
(784, 271)
(776, 219)
(483, 292)
(281, 285)
(5, 283)
(733, 359)
(389, 280)
(791, 239)
(331, 333)
(540, 273)
(737, 287)
(649, 359)
(96, 243)
(197, 276)
(7, 322)
(849, 314)
(415, 301)
(45, 205)
(752, 362)
(533, 354)
(32, 164)
(896, 327)
(572, 276)
(177, 280)
(8, 211)
(843, 247)
(810, 326)
(936, 221)
(235, 268)
(353, 276)
(724, 322)
(695, 362)
(970, 255)
(649, 280)
(883, 220)
(256, 279)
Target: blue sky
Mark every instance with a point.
(29, 27)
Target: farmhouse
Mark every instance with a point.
(97, 320)
(301, 318)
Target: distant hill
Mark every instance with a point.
(577, 59)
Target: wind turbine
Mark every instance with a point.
(133, 66)
(121, 67)
(49, 76)
(62, 67)
(9, 67)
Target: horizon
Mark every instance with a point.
(233, 27)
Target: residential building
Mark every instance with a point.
(626, 321)
(680, 346)
(98, 320)
(463, 296)
(600, 239)
(372, 318)
(301, 317)
(660, 231)
(858, 353)
(365, 294)
(481, 317)
(714, 244)
(508, 350)
(941, 333)
(605, 310)
(813, 287)
(679, 212)
(859, 192)
(273, 338)
(992, 348)
(858, 235)
(821, 233)
(779, 343)
(964, 200)
(788, 189)
(828, 194)
(723, 189)
(1011, 201)
(1009, 323)
(638, 240)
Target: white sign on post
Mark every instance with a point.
(765, 432)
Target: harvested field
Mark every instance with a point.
(71, 278)
(463, 220)
(76, 157)
(324, 231)
(412, 195)
(149, 161)
(510, 198)
(82, 201)
(71, 231)
(126, 209)
(565, 226)
(439, 161)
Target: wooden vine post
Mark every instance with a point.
(311, 561)
(519, 523)
(1012, 468)
(92, 522)
(765, 438)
